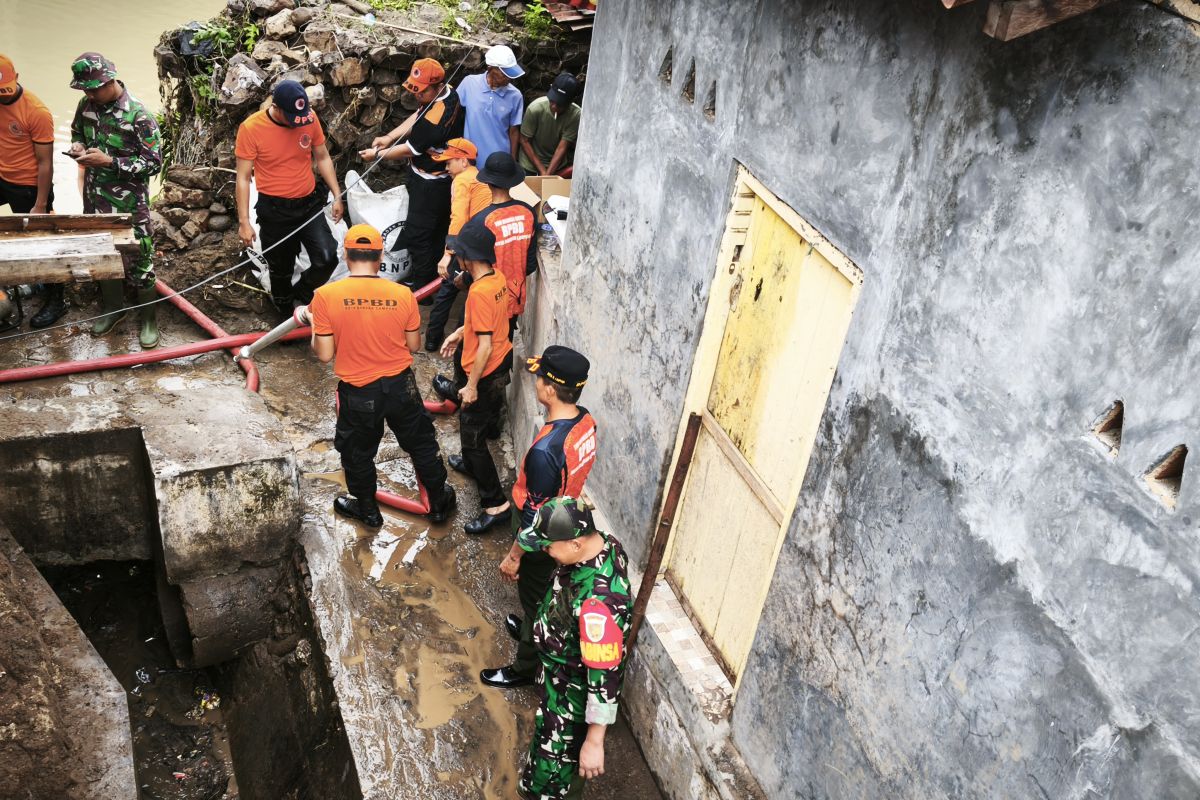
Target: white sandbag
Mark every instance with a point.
(337, 229)
(386, 211)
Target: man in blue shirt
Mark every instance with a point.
(494, 106)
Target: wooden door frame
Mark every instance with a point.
(721, 300)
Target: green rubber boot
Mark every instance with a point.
(148, 316)
(112, 303)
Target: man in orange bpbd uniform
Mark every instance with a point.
(27, 167)
(515, 227)
(372, 325)
(279, 146)
(467, 198)
(482, 362)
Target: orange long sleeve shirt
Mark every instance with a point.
(467, 198)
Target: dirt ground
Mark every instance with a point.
(434, 624)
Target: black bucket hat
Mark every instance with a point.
(501, 170)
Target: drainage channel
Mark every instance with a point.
(262, 725)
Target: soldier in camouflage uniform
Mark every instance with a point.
(117, 142)
(580, 637)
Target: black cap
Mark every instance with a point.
(501, 170)
(292, 101)
(475, 242)
(563, 90)
(561, 365)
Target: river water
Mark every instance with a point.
(43, 37)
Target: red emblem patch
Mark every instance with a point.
(299, 104)
(305, 141)
(601, 641)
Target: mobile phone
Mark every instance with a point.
(69, 154)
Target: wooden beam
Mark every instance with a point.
(1010, 19)
(59, 259)
(32, 226)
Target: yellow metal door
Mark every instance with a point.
(787, 318)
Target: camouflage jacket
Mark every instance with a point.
(581, 626)
(124, 130)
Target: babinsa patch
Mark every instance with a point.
(600, 638)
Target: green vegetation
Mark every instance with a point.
(537, 20)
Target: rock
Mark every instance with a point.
(170, 62)
(473, 59)
(220, 222)
(207, 239)
(372, 116)
(265, 8)
(190, 230)
(176, 215)
(267, 49)
(381, 76)
(243, 84)
(350, 72)
(235, 8)
(316, 95)
(294, 56)
(302, 16)
(378, 54)
(172, 195)
(515, 11)
(430, 48)
(280, 25)
(321, 36)
(408, 101)
(353, 42)
(218, 208)
(166, 235)
(189, 177)
(390, 94)
(303, 77)
(364, 96)
(397, 60)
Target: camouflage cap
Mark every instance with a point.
(91, 71)
(560, 519)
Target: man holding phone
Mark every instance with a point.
(116, 140)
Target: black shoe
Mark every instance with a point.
(365, 512)
(444, 388)
(458, 465)
(442, 511)
(52, 311)
(485, 522)
(432, 346)
(504, 678)
(512, 624)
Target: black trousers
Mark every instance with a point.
(20, 198)
(425, 228)
(533, 581)
(443, 302)
(362, 410)
(277, 217)
(475, 421)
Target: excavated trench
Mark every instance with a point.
(262, 725)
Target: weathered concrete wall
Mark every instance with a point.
(64, 723)
(972, 600)
(198, 476)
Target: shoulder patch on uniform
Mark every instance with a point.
(601, 641)
(435, 113)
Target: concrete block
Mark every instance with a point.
(227, 613)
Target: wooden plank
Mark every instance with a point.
(64, 223)
(738, 461)
(1011, 19)
(59, 259)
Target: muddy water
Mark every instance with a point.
(43, 37)
(438, 677)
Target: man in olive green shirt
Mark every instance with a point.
(550, 128)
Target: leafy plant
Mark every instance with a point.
(250, 34)
(204, 97)
(390, 5)
(221, 36)
(537, 20)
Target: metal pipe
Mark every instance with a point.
(662, 535)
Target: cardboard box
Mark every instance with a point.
(537, 189)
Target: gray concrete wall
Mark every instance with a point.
(972, 599)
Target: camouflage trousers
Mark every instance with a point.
(126, 197)
(552, 770)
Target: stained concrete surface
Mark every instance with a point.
(404, 648)
(64, 725)
(972, 600)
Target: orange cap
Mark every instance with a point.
(425, 72)
(363, 237)
(457, 148)
(8, 77)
